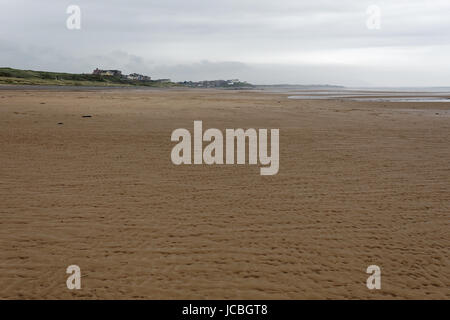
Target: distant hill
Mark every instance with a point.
(30, 77)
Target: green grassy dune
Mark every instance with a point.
(30, 77)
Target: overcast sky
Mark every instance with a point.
(260, 41)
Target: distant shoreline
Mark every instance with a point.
(37, 87)
(106, 78)
(74, 87)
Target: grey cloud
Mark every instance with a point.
(256, 40)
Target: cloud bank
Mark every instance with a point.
(286, 41)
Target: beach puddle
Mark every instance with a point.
(402, 99)
(373, 97)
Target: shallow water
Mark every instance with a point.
(374, 96)
(403, 99)
(370, 99)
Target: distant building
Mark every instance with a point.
(163, 80)
(138, 77)
(232, 82)
(114, 73)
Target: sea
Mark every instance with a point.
(378, 94)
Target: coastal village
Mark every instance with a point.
(192, 84)
(132, 76)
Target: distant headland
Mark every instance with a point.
(115, 78)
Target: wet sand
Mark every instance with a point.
(360, 183)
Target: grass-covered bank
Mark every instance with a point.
(30, 77)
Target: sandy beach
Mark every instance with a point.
(359, 183)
